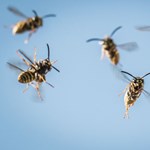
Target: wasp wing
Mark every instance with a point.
(17, 12)
(14, 67)
(49, 15)
(146, 94)
(128, 46)
(143, 28)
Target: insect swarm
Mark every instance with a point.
(30, 24)
(36, 72)
(109, 48)
(133, 91)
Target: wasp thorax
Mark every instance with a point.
(108, 43)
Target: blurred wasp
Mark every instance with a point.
(35, 74)
(133, 91)
(31, 24)
(109, 48)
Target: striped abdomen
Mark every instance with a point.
(109, 48)
(26, 77)
(20, 27)
(113, 55)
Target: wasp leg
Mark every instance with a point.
(123, 92)
(38, 91)
(34, 55)
(29, 36)
(37, 87)
(28, 64)
(27, 87)
(126, 115)
(103, 54)
(44, 80)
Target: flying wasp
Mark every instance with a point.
(36, 72)
(109, 48)
(133, 91)
(31, 24)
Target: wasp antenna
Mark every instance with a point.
(146, 75)
(35, 13)
(49, 84)
(49, 15)
(22, 53)
(115, 30)
(48, 52)
(94, 39)
(128, 74)
(56, 69)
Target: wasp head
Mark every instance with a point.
(38, 21)
(107, 43)
(138, 83)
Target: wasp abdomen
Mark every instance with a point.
(26, 77)
(113, 55)
(20, 27)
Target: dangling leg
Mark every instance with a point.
(37, 87)
(103, 54)
(29, 36)
(44, 80)
(34, 55)
(27, 63)
(126, 115)
(123, 92)
(38, 91)
(27, 87)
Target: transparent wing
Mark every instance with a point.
(143, 28)
(49, 15)
(14, 67)
(17, 12)
(128, 46)
(119, 75)
(147, 95)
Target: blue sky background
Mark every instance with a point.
(84, 110)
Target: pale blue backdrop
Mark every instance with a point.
(83, 111)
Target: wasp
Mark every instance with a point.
(36, 72)
(133, 91)
(109, 48)
(30, 24)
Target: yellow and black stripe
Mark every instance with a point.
(26, 77)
